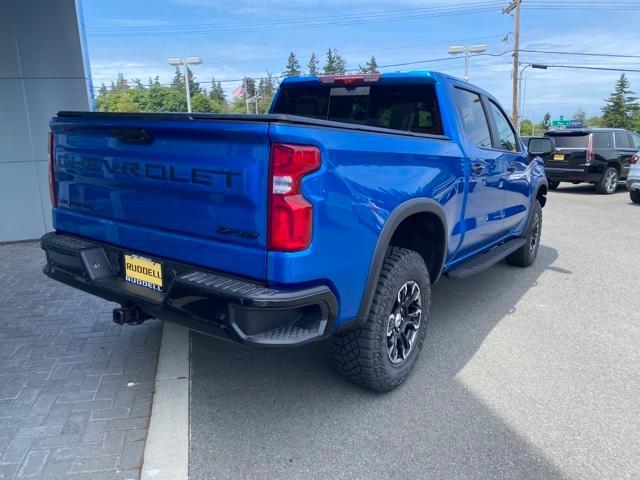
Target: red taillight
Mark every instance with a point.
(348, 79)
(590, 155)
(290, 214)
(634, 159)
(53, 189)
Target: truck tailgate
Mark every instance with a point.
(187, 189)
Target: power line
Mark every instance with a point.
(553, 52)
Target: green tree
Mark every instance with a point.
(580, 115)
(217, 92)
(528, 127)
(620, 108)
(370, 67)
(194, 87)
(545, 124)
(103, 89)
(335, 63)
(293, 67)
(121, 83)
(595, 121)
(200, 103)
(178, 81)
(313, 65)
(266, 91)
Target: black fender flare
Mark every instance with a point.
(400, 213)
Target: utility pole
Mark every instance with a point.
(514, 6)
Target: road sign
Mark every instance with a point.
(576, 124)
(560, 123)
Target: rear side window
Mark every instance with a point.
(411, 108)
(571, 141)
(474, 120)
(506, 136)
(623, 141)
(602, 140)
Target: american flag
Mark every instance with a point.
(239, 92)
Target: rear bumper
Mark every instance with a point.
(633, 184)
(578, 174)
(227, 307)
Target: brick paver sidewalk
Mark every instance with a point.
(75, 388)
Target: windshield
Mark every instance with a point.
(401, 107)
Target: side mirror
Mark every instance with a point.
(540, 146)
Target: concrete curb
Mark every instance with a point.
(166, 453)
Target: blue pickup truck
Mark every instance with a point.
(331, 216)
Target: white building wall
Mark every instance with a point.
(42, 71)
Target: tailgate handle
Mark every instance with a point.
(132, 135)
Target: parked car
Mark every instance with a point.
(633, 179)
(591, 155)
(331, 216)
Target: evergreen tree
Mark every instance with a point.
(121, 83)
(137, 84)
(266, 91)
(103, 89)
(313, 65)
(335, 63)
(370, 67)
(293, 67)
(620, 108)
(178, 81)
(194, 87)
(216, 92)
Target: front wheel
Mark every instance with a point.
(526, 255)
(380, 354)
(609, 181)
(553, 185)
(635, 196)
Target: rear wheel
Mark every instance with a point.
(380, 354)
(635, 196)
(526, 255)
(553, 184)
(609, 181)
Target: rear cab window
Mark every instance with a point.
(412, 108)
(578, 142)
(474, 120)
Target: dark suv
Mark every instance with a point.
(591, 155)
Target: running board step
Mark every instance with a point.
(479, 263)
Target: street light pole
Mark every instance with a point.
(521, 91)
(458, 49)
(188, 61)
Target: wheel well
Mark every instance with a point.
(541, 195)
(614, 165)
(423, 233)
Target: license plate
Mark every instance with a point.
(558, 156)
(143, 271)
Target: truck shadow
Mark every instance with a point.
(286, 414)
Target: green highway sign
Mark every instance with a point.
(561, 123)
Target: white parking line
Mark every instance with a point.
(166, 453)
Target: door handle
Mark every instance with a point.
(477, 168)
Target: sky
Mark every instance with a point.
(251, 37)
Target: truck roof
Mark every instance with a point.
(398, 78)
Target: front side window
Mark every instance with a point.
(506, 136)
(474, 120)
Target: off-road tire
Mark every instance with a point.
(635, 196)
(604, 186)
(361, 353)
(526, 255)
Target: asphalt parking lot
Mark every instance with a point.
(526, 373)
